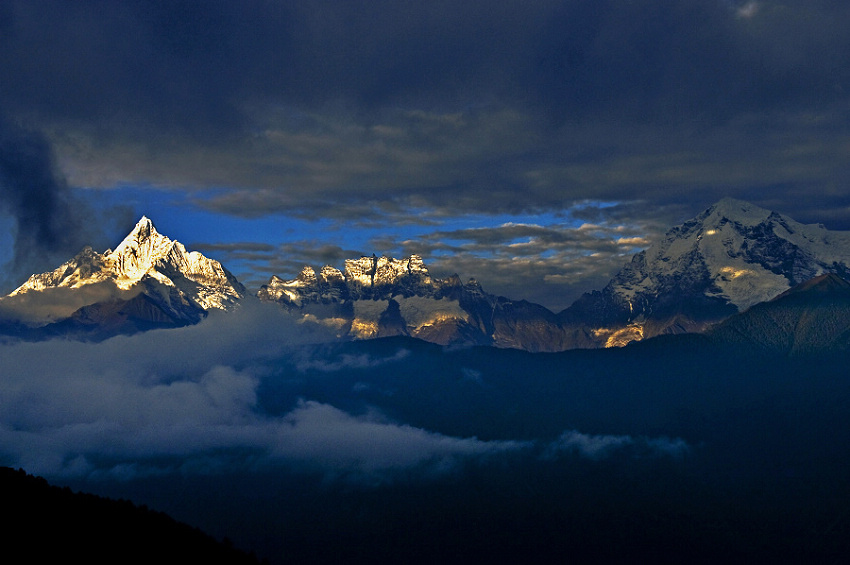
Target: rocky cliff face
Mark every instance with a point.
(382, 296)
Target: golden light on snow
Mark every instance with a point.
(621, 336)
(710, 232)
(734, 273)
(364, 329)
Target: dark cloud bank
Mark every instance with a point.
(48, 219)
(495, 107)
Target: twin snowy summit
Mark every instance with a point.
(726, 260)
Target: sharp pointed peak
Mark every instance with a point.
(143, 229)
(144, 234)
(144, 223)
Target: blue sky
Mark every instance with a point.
(482, 135)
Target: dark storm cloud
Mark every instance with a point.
(32, 191)
(51, 222)
(195, 62)
(124, 65)
(340, 109)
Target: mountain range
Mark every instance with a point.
(729, 259)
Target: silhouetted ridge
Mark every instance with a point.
(49, 524)
(829, 283)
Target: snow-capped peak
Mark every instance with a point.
(742, 212)
(147, 260)
(136, 255)
(734, 252)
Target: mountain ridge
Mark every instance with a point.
(384, 296)
(102, 529)
(720, 263)
(811, 317)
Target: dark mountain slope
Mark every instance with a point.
(48, 524)
(734, 453)
(812, 317)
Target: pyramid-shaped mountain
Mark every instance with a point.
(147, 281)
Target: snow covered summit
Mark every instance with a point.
(383, 296)
(728, 258)
(148, 276)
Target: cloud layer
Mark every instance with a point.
(177, 400)
(481, 107)
(188, 401)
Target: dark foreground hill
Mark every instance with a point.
(49, 524)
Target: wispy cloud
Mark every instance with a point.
(188, 400)
(328, 437)
(748, 10)
(315, 363)
(602, 446)
(551, 264)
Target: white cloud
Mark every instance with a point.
(324, 435)
(349, 362)
(187, 400)
(748, 10)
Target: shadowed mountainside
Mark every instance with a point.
(51, 524)
(813, 316)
